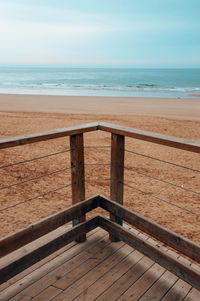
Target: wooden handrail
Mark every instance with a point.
(170, 141)
(170, 238)
(24, 236)
(24, 258)
(166, 260)
(78, 211)
(38, 137)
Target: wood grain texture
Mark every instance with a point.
(117, 174)
(171, 141)
(172, 239)
(43, 136)
(151, 137)
(180, 269)
(36, 230)
(78, 175)
(12, 265)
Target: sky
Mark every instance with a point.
(148, 33)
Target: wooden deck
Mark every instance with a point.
(43, 262)
(97, 269)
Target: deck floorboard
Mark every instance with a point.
(97, 270)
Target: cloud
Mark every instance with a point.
(33, 31)
(40, 33)
(37, 24)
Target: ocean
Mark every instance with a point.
(123, 82)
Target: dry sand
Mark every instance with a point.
(184, 108)
(23, 114)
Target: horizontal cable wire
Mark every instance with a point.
(35, 197)
(34, 159)
(96, 180)
(160, 180)
(34, 179)
(162, 200)
(97, 146)
(163, 161)
(98, 164)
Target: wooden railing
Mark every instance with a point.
(12, 265)
(115, 207)
(118, 134)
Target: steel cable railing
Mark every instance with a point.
(161, 180)
(34, 179)
(130, 169)
(97, 146)
(34, 159)
(101, 179)
(35, 197)
(98, 180)
(97, 164)
(160, 199)
(49, 174)
(163, 161)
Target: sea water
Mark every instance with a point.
(91, 81)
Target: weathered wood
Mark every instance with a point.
(117, 168)
(117, 173)
(103, 284)
(36, 230)
(103, 126)
(180, 269)
(49, 266)
(151, 137)
(77, 174)
(12, 265)
(143, 284)
(43, 136)
(183, 292)
(172, 239)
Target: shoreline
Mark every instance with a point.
(177, 108)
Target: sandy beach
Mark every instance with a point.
(180, 108)
(23, 114)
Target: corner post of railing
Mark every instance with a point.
(117, 174)
(77, 176)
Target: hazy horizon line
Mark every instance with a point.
(101, 66)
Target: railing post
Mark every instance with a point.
(117, 174)
(77, 176)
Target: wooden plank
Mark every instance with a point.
(36, 230)
(115, 254)
(127, 279)
(107, 127)
(43, 136)
(178, 292)
(13, 266)
(48, 294)
(77, 168)
(117, 168)
(77, 175)
(103, 283)
(193, 295)
(160, 287)
(64, 267)
(179, 143)
(78, 278)
(51, 267)
(151, 137)
(117, 174)
(138, 289)
(172, 239)
(38, 265)
(180, 269)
